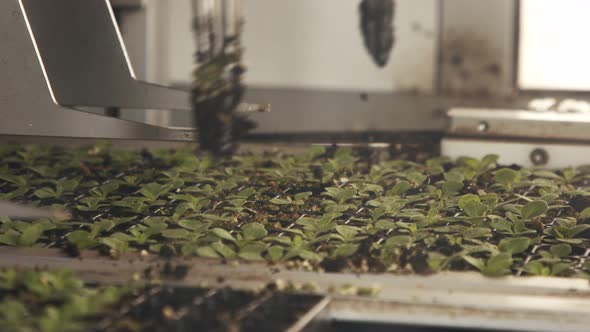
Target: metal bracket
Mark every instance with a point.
(530, 138)
(57, 55)
(522, 124)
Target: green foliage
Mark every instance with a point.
(298, 200)
(379, 215)
(341, 195)
(568, 231)
(495, 266)
(584, 215)
(539, 268)
(153, 191)
(189, 203)
(452, 188)
(400, 188)
(23, 234)
(52, 301)
(472, 206)
(254, 231)
(135, 204)
(534, 209)
(514, 245)
(507, 178)
(103, 191)
(223, 234)
(317, 226)
(61, 187)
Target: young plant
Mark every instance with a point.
(20, 182)
(472, 206)
(23, 234)
(61, 187)
(117, 242)
(495, 266)
(90, 238)
(387, 206)
(314, 227)
(153, 191)
(195, 231)
(507, 178)
(348, 238)
(540, 268)
(568, 231)
(91, 204)
(52, 301)
(297, 200)
(553, 262)
(301, 248)
(136, 205)
(103, 191)
(189, 203)
(472, 168)
(517, 218)
(342, 199)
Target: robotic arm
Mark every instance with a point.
(218, 77)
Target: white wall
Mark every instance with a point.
(311, 44)
(317, 44)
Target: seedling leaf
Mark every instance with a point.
(534, 209)
(561, 250)
(222, 234)
(514, 245)
(175, 233)
(254, 231)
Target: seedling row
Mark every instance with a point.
(327, 209)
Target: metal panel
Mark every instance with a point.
(85, 61)
(478, 47)
(130, 4)
(513, 123)
(519, 152)
(26, 105)
(313, 111)
(528, 138)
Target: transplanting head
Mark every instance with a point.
(218, 78)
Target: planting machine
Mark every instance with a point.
(68, 79)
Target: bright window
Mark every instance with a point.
(554, 45)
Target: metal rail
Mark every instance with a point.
(447, 299)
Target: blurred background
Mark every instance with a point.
(306, 58)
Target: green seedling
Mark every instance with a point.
(23, 234)
(336, 205)
(153, 191)
(495, 266)
(298, 200)
(189, 203)
(61, 187)
(342, 199)
(52, 301)
(568, 231)
(507, 178)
